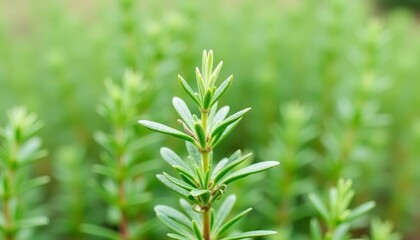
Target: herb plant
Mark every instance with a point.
(336, 214)
(123, 186)
(20, 148)
(200, 181)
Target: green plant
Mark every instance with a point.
(20, 148)
(123, 186)
(383, 230)
(336, 214)
(201, 182)
(289, 145)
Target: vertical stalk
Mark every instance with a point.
(123, 227)
(10, 235)
(206, 166)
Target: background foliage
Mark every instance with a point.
(344, 74)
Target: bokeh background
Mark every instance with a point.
(334, 86)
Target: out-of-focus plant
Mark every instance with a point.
(74, 202)
(200, 181)
(289, 145)
(383, 230)
(20, 147)
(123, 184)
(335, 213)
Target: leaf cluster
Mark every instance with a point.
(199, 180)
(20, 148)
(336, 214)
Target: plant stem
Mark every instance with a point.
(121, 189)
(206, 166)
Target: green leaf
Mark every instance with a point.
(174, 214)
(188, 89)
(215, 73)
(230, 166)
(254, 168)
(175, 226)
(200, 82)
(178, 237)
(232, 222)
(197, 232)
(104, 170)
(33, 183)
(207, 99)
(31, 222)
(102, 192)
(172, 186)
(201, 193)
(341, 232)
(183, 111)
(223, 212)
(178, 182)
(194, 153)
(99, 231)
(223, 125)
(316, 233)
(319, 206)
(173, 159)
(360, 210)
(221, 136)
(221, 90)
(190, 212)
(220, 115)
(201, 136)
(219, 166)
(250, 234)
(158, 127)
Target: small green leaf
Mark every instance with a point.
(197, 232)
(360, 210)
(254, 168)
(31, 222)
(207, 99)
(183, 111)
(102, 192)
(221, 136)
(215, 73)
(172, 186)
(173, 159)
(250, 234)
(319, 206)
(223, 212)
(174, 214)
(190, 212)
(194, 153)
(232, 222)
(158, 127)
(201, 136)
(188, 89)
(223, 125)
(341, 232)
(200, 82)
(99, 231)
(230, 166)
(33, 183)
(221, 90)
(178, 237)
(220, 115)
(178, 182)
(175, 226)
(316, 233)
(219, 166)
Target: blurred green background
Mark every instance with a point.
(353, 65)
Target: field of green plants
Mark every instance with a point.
(334, 92)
